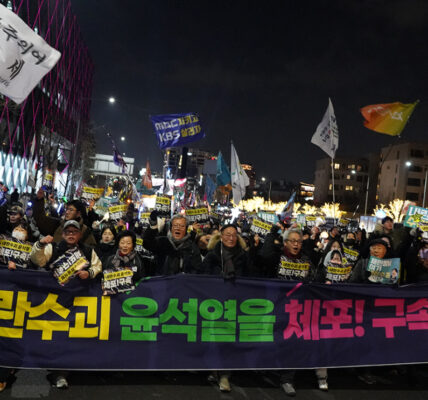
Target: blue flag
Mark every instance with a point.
(287, 211)
(223, 173)
(173, 130)
(210, 188)
(118, 160)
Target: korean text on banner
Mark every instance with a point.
(173, 130)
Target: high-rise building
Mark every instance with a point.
(403, 173)
(58, 108)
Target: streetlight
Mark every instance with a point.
(263, 179)
(111, 100)
(408, 163)
(122, 138)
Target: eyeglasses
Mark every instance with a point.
(178, 226)
(294, 241)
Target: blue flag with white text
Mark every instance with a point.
(173, 130)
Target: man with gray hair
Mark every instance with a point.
(177, 252)
(290, 264)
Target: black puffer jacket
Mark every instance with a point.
(173, 257)
(214, 262)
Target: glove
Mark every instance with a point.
(153, 219)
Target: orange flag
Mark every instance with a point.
(388, 118)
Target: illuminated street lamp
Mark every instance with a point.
(112, 100)
(122, 138)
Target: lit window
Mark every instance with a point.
(348, 177)
(330, 187)
(336, 166)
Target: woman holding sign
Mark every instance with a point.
(125, 268)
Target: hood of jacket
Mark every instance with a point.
(215, 239)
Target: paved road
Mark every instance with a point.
(247, 385)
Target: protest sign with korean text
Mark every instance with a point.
(65, 267)
(260, 228)
(199, 215)
(163, 205)
(117, 212)
(386, 270)
(90, 193)
(117, 280)
(417, 217)
(14, 250)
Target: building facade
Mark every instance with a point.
(58, 108)
(403, 173)
(350, 181)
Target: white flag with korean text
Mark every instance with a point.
(327, 134)
(25, 58)
(238, 176)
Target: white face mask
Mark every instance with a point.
(19, 235)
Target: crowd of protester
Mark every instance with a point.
(223, 248)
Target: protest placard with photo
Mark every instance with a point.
(385, 270)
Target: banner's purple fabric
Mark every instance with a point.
(202, 322)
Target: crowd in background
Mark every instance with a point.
(226, 248)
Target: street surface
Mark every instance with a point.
(246, 385)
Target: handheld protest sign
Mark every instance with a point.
(351, 255)
(145, 220)
(268, 217)
(384, 270)
(163, 205)
(260, 228)
(291, 270)
(117, 212)
(90, 193)
(117, 280)
(48, 181)
(337, 272)
(417, 217)
(65, 267)
(199, 215)
(14, 250)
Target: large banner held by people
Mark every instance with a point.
(196, 322)
(173, 130)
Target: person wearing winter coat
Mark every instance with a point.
(177, 251)
(290, 264)
(227, 255)
(107, 245)
(54, 226)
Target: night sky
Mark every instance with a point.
(257, 72)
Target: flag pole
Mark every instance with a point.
(332, 186)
